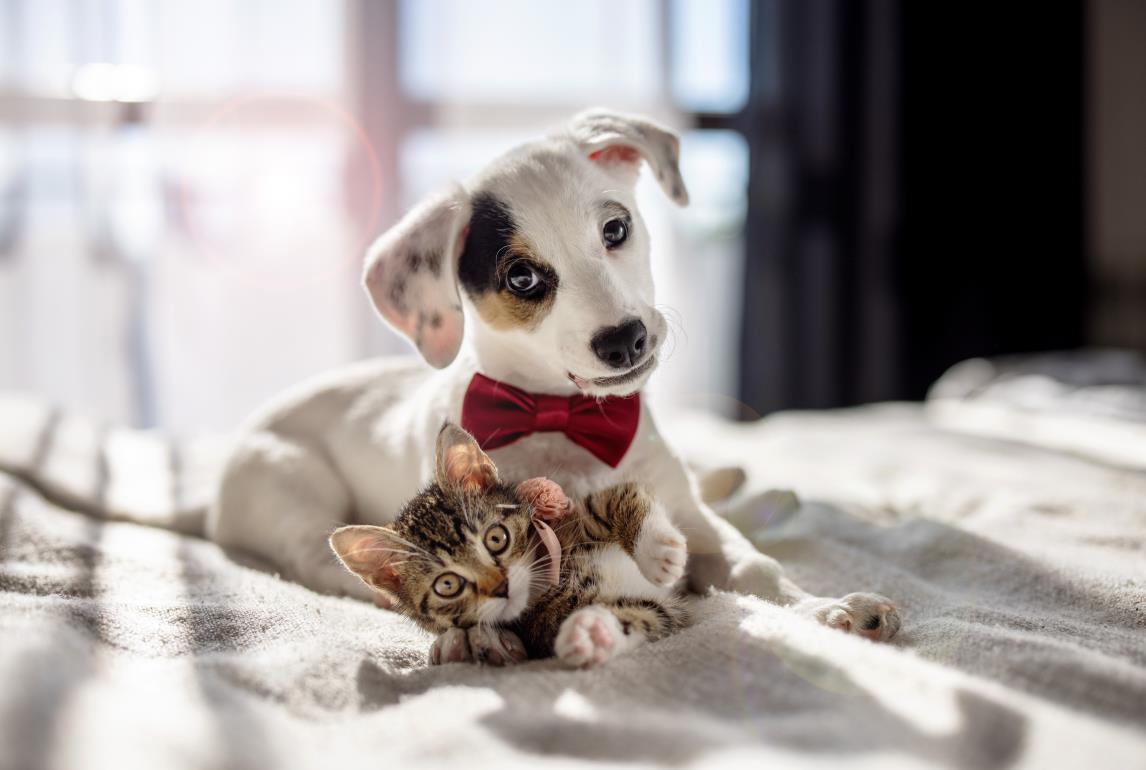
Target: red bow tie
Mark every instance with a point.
(497, 414)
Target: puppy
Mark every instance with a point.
(529, 293)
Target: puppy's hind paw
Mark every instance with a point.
(871, 616)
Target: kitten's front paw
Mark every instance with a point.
(495, 646)
(871, 616)
(451, 647)
(588, 637)
(661, 553)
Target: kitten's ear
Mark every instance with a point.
(370, 553)
(460, 463)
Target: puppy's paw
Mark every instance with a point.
(871, 616)
(660, 552)
(755, 574)
(451, 647)
(588, 637)
(495, 646)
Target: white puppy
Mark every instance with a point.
(543, 262)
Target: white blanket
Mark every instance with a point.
(1021, 574)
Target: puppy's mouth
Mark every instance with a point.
(613, 381)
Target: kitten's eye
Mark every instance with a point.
(523, 280)
(449, 584)
(496, 539)
(615, 232)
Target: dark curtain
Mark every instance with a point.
(916, 194)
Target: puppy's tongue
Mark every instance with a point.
(580, 382)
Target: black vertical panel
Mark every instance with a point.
(766, 342)
(993, 254)
(916, 194)
(806, 133)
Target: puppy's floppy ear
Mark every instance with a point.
(371, 553)
(460, 464)
(411, 275)
(618, 142)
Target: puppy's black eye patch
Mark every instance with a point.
(511, 286)
(491, 229)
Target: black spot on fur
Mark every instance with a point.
(491, 227)
(424, 260)
(398, 293)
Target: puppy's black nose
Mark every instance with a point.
(620, 346)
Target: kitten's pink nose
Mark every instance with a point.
(501, 590)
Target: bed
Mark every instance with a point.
(1019, 564)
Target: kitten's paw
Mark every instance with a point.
(660, 552)
(868, 615)
(588, 637)
(495, 646)
(451, 647)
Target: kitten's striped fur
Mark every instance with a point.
(469, 529)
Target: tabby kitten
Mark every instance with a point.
(465, 559)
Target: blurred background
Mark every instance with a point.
(880, 189)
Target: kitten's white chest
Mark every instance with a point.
(619, 576)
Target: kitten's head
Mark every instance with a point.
(460, 553)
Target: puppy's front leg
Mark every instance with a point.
(720, 556)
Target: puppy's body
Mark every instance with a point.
(541, 265)
(357, 443)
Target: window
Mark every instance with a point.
(186, 189)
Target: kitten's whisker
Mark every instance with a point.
(403, 541)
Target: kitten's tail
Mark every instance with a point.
(107, 472)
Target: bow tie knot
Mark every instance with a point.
(552, 413)
(497, 415)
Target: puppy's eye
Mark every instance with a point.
(449, 584)
(523, 280)
(615, 232)
(496, 539)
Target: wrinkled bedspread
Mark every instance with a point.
(1021, 573)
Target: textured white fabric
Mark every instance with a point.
(1020, 573)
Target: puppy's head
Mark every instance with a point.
(549, 253)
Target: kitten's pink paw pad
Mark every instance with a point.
(661, 553)
(871, 616)
(588, 637)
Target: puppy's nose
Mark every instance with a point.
(501, 590)
(620, 346)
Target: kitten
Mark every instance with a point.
(465, 558)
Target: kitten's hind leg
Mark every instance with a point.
(600, 632)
